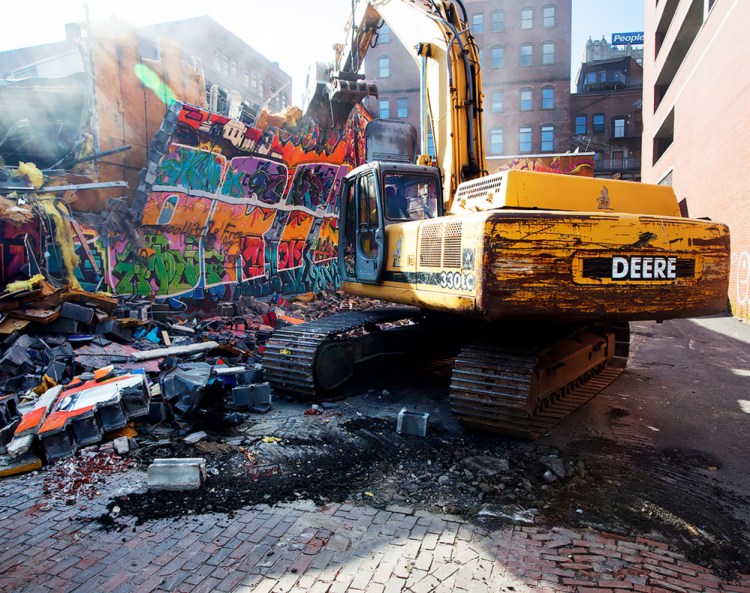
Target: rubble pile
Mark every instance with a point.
(82, 476)
(76, 365)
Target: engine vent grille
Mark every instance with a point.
(452, 245)
(440, 245)
(430, 245)
(480, 188)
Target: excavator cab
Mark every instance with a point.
(374, 196)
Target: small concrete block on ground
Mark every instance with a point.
(177, 474)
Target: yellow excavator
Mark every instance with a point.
(529, 278)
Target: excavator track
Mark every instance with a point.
(525, 392)
(310, 358)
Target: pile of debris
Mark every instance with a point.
(76, 367)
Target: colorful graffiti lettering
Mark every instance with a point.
(92, 258)
(167, 264)
(19, 247)
(567, 164)
(312, 186)
(253, 257)
(262, 179)
(185, 167)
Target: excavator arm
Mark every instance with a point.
(448, 58)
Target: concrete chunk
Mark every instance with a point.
(177, 474)
(122, 445)
(195, 437)
(252, 395)
(20, 445)
(77, 312)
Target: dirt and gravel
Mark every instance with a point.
(351, 452)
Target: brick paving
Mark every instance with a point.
(293, 548)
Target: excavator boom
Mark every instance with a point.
(447, 54)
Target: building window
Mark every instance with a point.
(548, 97)
(384, 35)
(548, 138)
(403, 107)
(549, 16)
(498, 21)
(580, 124)
(255, 82)
(524, 140)
(225, 64)
(217, 59)
(384, 67)
(246, 79)
(527, 18)
(590, 77)
(617, 159)
(548, 52)
(619, 127)
(233, 70)
(498, 57)
(477, 23)
(262, 87)
(498, 98)
(527, 54)
(431, 143)
(527, 99)
(603, 76)
(496, 141)
(384, 108)
(598, 123)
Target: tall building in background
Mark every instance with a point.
(606, 116)
(525, 56)
(228, 63)
(696, 117)
(601, 49)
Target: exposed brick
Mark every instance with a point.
(651, 543)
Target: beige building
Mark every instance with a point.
(696, 117)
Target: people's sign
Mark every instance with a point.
(627, 38)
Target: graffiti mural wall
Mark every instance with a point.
(234, 210)
(568, 164)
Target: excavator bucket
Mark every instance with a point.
(332, 95)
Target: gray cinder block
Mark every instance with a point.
(412, 423)
(252, 395)
(177, 474)
(77, 312)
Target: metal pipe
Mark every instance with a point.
(423, 105)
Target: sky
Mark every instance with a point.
(294, 33)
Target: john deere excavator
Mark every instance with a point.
(531, 278)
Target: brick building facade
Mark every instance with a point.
(696, 118)
(227, 61)
(525, 56)
(606, 116)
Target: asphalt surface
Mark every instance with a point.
(687, 386)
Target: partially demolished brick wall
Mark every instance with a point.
(215, 209)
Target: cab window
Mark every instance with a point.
(410, 197)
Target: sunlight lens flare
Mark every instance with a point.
(151, 80)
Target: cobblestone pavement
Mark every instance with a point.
(299, 548)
